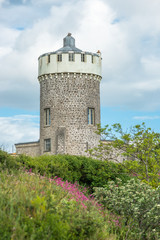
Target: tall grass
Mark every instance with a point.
(36, 207)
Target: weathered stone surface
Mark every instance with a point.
(68, 98)
(67, 89)
(31, 149)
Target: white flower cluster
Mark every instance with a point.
(138, 203)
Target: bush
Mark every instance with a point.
(137, 203)
(8, 162)
(86, 171)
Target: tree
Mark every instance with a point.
(139, 146)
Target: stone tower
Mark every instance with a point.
(69, 99)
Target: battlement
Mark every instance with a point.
(69, 59)
(61, 62)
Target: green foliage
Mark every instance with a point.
(8, 162)
(140, 146)
(136, 169)
(33, 207)
(137, 203)
(86, 171)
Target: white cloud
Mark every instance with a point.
(127, 33)
(151, 66)
(7, 40)
(42, 2)
(19, 128)
(1, 1)
(146, 117)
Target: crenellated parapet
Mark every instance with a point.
(73, 62)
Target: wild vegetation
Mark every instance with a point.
(70, 197)
(137, 203)
(35, 207)
(139, 146)
(86, 171)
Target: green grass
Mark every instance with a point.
(34, 207)
(34, 204)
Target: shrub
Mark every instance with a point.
(8, 162)
(86, 171)
(139, 144)
(137, 203)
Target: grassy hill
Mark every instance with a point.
(69, 197)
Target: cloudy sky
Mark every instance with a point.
(127, 32)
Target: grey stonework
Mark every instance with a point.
(31, 149)
(69, 96)
(67, 90)
(60, 140)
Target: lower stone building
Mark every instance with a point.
(28, 148)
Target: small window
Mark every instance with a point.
(59, 57)
(48, 59)
(92, 59)
(91, 116)
(71, 57)
(82, 57)
(47, 145)
(47, 116)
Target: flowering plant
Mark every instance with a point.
(137, 203)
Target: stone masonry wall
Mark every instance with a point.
(69, 95)
(30, 149)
